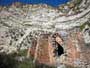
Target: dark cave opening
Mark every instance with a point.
(59, 50)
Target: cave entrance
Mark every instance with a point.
(59, 50)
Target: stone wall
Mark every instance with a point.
(76, 53)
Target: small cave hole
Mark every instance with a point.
(59, 50)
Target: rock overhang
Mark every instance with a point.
(47, 17)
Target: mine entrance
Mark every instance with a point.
(59, 50)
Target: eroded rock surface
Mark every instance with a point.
(20, 24)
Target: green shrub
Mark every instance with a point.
(7, 61)
(83, 25)
(26, 64)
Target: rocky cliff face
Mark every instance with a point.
(19, 24)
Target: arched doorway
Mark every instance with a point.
(60, 49)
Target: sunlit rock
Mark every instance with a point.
(25, 23)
